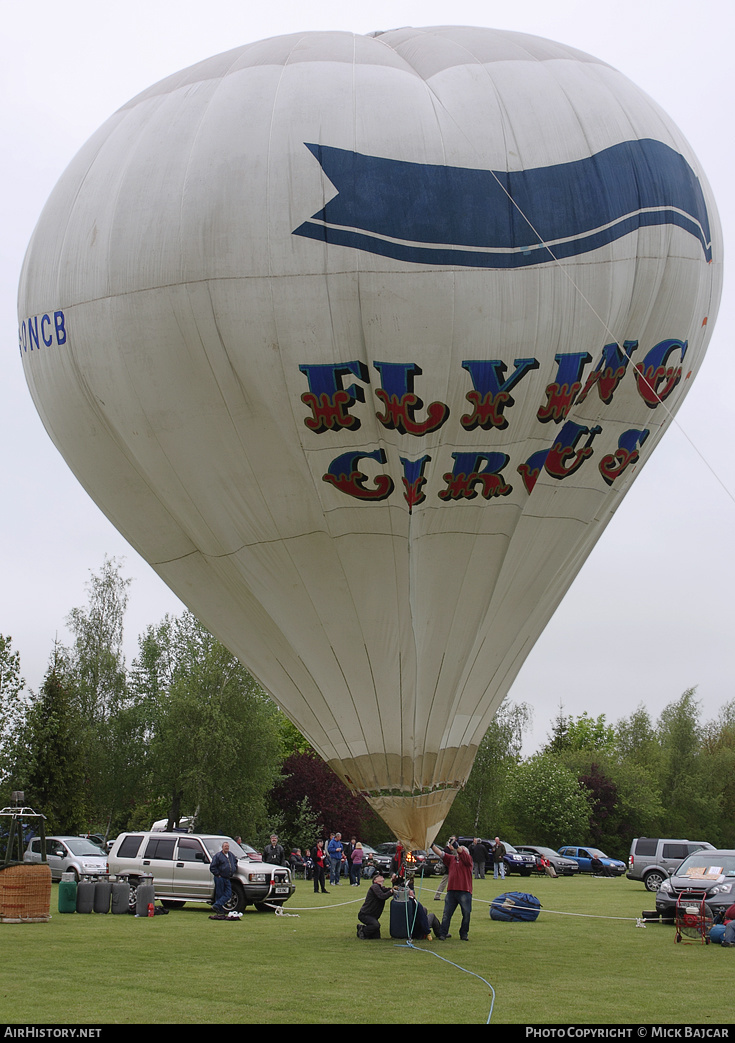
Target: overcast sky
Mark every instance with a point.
(651, 613)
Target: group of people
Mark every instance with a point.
(337, 859)
(479, 854)
(458, 862)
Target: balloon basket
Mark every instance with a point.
(25, 894)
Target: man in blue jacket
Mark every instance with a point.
(335, 849)
(222, 867)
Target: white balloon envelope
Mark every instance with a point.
(359, 341)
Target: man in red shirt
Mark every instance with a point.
(458, 861)
(729, 919)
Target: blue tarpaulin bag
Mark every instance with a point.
(515, 906)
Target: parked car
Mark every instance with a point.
(77, 855)
(418, 861)
(652, 859)
(583, 857)
(374, 861)
(563, 866)
(179, 864)
(708, 873)
(515, 861)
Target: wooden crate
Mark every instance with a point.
(25, 894)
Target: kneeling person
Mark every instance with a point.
(372, 907)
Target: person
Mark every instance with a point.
(728, 938)
(498, 859)
(319, 858)
(398, 862)
(458, 861)
(356, 865)
(298, 864)
(273, 853)
(421, 921)
(372, 908)
(440, 888)
(328, 863)
(479, 857)
(547, 867)
(335, 850)
(308, 864)
(599, 868)
(347, 848)
(222, 867)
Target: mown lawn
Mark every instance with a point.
(584, 961)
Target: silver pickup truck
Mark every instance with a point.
(179, 864)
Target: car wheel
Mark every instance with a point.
(653, 880)
(236, 902)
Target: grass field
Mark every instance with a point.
(584, 962)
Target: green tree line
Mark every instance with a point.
(185, 731)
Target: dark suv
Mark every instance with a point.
(515, 861)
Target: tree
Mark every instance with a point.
(545, 801)
(718, 746)
(95, 660)
(478, 808)
(306, 775)
(93, 671)
(691, 804)
(213, 734)
(13, 708)
(603, 798)
(590, 733)
(55, 758)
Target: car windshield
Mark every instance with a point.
(82, 846)
(545, 851)
(510, 849)
(707, 865)
(214, 844)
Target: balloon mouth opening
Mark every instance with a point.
(414, 818)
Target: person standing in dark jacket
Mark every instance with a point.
(372, 907)
(479, 858)
(273, 853)
(222, 867)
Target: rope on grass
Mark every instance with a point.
(588, 916)
(417, 948)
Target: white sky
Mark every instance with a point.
(651, 612)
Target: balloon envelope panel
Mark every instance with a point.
(359, 341)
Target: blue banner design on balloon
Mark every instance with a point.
(429, 214)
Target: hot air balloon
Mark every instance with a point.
(360, 341)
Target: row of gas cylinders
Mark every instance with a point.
(102, 895)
